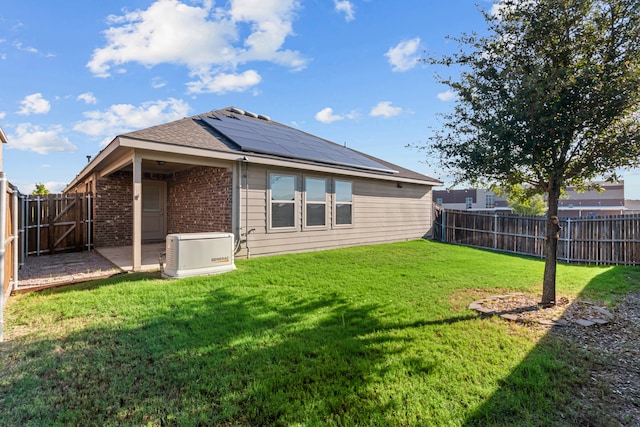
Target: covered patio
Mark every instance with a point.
(120, 256)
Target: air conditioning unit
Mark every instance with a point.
(198, 254)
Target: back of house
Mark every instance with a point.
(276, 188)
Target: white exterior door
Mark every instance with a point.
(154, 203)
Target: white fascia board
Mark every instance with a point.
(182, 154)
(89, 168)
(122, 161)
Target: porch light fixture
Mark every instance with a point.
(161, 162)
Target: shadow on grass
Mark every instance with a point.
(549, 386)
(116, 279)
(221, 360)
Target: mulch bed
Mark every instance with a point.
(525, 308)
(610, 337)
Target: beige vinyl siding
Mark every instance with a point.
(382, 212)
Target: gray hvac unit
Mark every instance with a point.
(198, 254)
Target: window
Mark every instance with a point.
(315, 202)
(469, 202)
(283, 203)
(343, 203)
(151, 198)
(490, 201)
(439, 201)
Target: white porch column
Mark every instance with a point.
(137, 213)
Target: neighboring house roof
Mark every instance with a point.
(232, 133)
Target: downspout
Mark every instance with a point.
(238, 185)
(246, 207)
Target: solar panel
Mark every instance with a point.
(267, 137)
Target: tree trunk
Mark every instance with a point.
(551, 246)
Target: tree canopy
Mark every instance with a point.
(40, 190)
(550, 97)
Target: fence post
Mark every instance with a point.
(568, 240)
(38, 211)
(443, 226)
(22, 227)
(495, 230)
(51, 220)
(16, 238)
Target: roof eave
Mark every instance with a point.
(267, 160)
(3, 137)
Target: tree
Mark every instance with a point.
(534, 205)
(522, 202)
(550, 97)
(40, 189)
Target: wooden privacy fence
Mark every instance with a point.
(8, 242)
(55, 223)
(610, 240)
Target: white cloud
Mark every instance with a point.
(54, 187)
(34, 104)
(402, 56)
(326, 116)
(29, 137)
(447, 96)
(2, 115)
(87, 98)
(122, 118)
(30, 49)
(223, 83)
(346, 7)
(158, 83)
(353, 115)
(384, 109)
(208, 41)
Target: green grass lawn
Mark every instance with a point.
(374, 335)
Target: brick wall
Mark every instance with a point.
(113, 224)
(200, 200)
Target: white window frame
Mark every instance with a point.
(306, 202)
(270, 202)
(336, 202)
(490, 201)
(468, 201)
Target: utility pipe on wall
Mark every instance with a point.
(238, 192)
(246, 207)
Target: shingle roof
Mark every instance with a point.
(187, 132)
(194, 132)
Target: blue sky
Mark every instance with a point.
(77, 73)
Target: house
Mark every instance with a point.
(471, 199)
(573, 204)
(276, 188)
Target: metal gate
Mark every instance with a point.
(55, 223)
